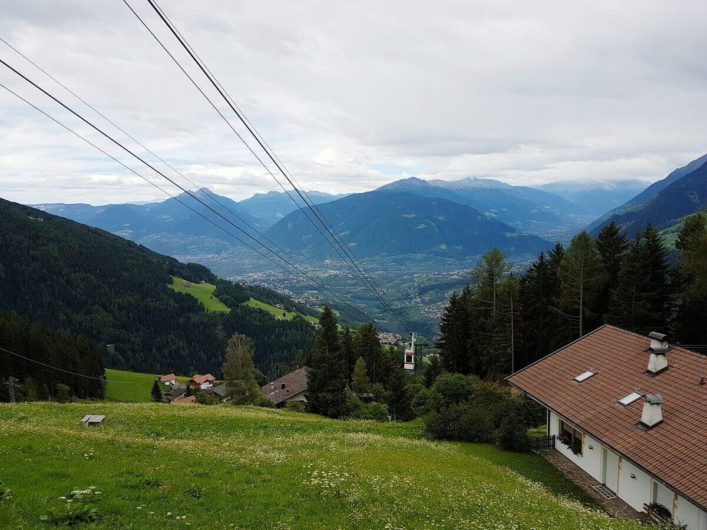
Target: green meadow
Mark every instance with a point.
(132, 386)
(277, 312)
(170, 466)
(203, 292)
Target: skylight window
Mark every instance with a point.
(627, 400)
(584, 376)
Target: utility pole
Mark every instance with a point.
(512, 338)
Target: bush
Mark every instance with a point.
(512, 434)
(63, 393)
(295, 406)
(454, 388)
(371, 411)
(262, 401)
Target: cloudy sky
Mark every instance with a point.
(352, 95)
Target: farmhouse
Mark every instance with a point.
(202, 382)
(631, 411)
(289, 388)
(168, 379)
(184, 400)
(177, 391)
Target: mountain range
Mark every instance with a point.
(664, 203)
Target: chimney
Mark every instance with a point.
(652, 410)
(658, 360)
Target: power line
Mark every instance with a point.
(347, 255)
(102, 115)
(159, 173)
(101, 379)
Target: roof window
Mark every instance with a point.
(584, 376)
(627, 400)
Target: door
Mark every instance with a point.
(610, 469)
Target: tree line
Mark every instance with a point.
(503, 321)
(25, 379)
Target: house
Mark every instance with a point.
(177, 391)
(220, 392)
(631, 411)
(289, 388)
(184, 400)
(168, 379)
(93, 420)
(202, 382)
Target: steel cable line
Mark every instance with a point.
(101, 379)
(348, 257)
(97, 129)
(209, 194)
(223, 117)
(251, 127)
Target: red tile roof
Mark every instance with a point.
(167, 377)
(294, 383)
(674, 451)
(201, 379)
(186, 400)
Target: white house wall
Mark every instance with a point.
(688, 514)
(628, 481)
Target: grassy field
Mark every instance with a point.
(203, 292)
(277, 312)
(131, 386)
(159, 466)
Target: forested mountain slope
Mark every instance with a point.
(385, 223)
(83, 280)
(674, 201)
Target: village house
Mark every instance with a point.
(175, 392)
(202, 382)
(168, 379)
(631, 411)
(289, 388)
(184, 400)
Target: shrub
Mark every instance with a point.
(295, 406)
(63, 393)
(375, 411)
(512, 434)
(262, 401)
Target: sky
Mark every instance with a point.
(353, 95)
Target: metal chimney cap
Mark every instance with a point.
(654, 399)
(657, 336)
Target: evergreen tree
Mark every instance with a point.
(361, 383)
(326, 392)
(398, 400)
(454, 334)
(367, 345)
(347, 348)
(690, 280)
(640, 301)
(612, 246)
(156, 392)
(581, 274)
(239, 371)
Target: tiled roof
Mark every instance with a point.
(167, 377)
(674, 451)
(186, 400)
(294, 383)
(201, 379)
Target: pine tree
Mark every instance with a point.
(690, 280)
(397, 398)
(239, 371)
(581, 273)
(612, 246)
(326, 392)
(360, 384)
(156, 392)
(454, 335)
(367, 345)
(347, 348)
(640, 301)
